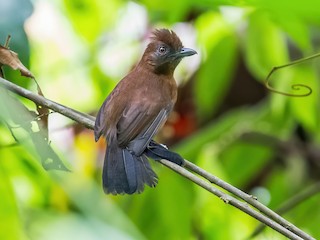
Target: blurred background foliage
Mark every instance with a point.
(225, 121)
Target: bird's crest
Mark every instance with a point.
(168, 37)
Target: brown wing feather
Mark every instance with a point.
(132, 122)
(138, 125)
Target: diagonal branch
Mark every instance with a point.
(228, 199)
(84, 119)
(292, 202)
(268, 217)
(247, 198)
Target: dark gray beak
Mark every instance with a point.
(185, 52)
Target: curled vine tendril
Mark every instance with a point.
(295, 87)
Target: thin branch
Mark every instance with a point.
(85, 119)
(292, 203)
(285, 228)
(247, 198)
(230, 200)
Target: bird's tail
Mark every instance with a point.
(124, 172)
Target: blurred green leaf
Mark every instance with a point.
(91, 18)
(305, 109)
(301, 214)
(297, 30)
(90, 199)
(216, 72)
(172, 200)
(265, 46)
(249, 158)
(264, 49)
(161, 11)
(10, 227)
(18, 117)
(52, 226)
(308, 10)
(228, 127)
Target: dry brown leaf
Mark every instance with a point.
(11, 59)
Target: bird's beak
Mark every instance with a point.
(185, 52)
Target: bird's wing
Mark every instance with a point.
(108, 113)
(99, 126)
(139, 124)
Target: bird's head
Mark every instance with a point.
(165, 51)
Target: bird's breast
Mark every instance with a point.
(147, 88)
(165, 90)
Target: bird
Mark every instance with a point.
(134, 112)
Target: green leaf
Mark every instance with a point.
(230, 124)
(215, 74)
(264, 47)
(13, 111)
(308, 10)
(91, 17)
(9, 216)
(306, 109)
(170, 202)
(52, 225)
(89, 198)
(159, 10)
(248, 157)
(297, 30)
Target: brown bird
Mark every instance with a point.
(135, 111)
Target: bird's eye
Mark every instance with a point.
(162, 49)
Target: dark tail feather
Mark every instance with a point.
(147, 175)
(126, 173)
